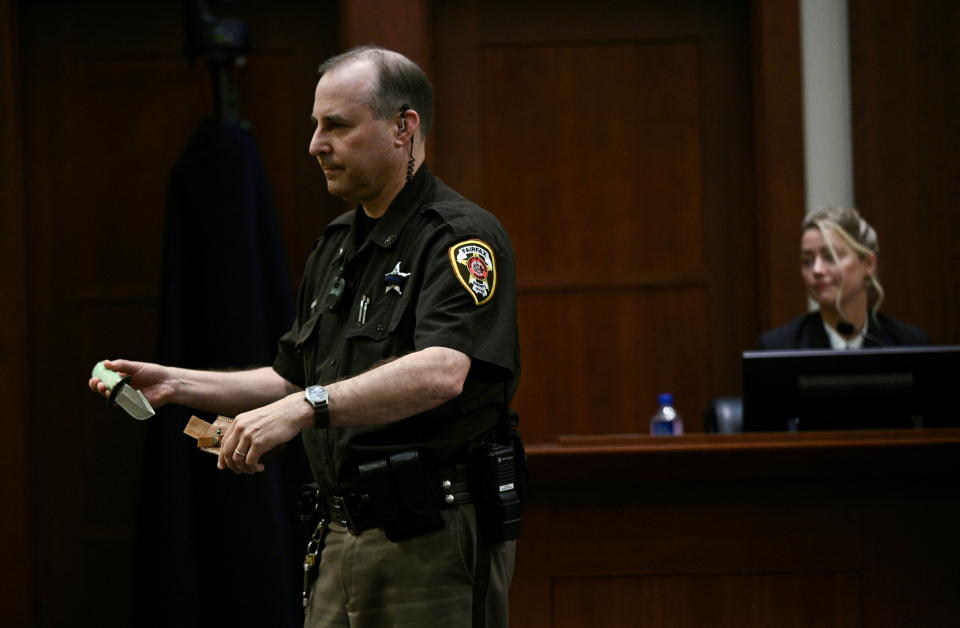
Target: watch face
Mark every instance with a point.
(316, 394)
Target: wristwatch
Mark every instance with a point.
(316, 396)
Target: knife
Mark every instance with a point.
(125, 396)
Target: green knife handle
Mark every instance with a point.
(109, 378)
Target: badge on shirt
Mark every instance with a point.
(395, 279)
(474, 266)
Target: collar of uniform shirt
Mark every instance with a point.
(401, 208)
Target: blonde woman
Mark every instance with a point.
(838, 264)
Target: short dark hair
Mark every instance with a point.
(400, 82)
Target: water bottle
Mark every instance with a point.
(666, 422)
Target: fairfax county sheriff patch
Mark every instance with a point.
(475, 267)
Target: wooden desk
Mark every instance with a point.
(808, 529)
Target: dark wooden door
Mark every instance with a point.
(613, 139)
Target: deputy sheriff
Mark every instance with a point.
(399, 368)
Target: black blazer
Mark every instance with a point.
(807, 332)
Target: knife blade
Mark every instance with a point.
(122, 394)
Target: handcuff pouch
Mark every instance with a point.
(401, 495)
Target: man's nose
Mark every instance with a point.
(318, 146)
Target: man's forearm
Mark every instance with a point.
(409, 385)
(228, 392)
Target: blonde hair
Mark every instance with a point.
(849, 225)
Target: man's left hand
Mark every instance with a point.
(259, 431)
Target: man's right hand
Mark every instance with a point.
(153, 380)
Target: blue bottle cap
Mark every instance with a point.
(665, 399)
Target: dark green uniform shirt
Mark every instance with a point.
(435, 271)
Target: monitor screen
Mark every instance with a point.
(890, 387)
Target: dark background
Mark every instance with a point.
(646, 158)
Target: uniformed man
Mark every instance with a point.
(398, 370)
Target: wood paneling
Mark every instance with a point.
(598, 182)
(812, 529)
(400, 26)
(598, 357)
(598, 178)
(109, 102)
(778, 137)
(614, 142)
(724, 601)
(16, 572)
(904, 63)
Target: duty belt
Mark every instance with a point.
(355, 512)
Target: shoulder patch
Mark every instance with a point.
(474, 266)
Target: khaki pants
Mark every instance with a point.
(368, 581)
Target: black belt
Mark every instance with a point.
(356, 513)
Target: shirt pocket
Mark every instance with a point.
(385, 332)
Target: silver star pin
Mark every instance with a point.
(395, 279)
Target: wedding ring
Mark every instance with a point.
(237, 452)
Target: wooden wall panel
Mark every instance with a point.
(914, 581)
(96, 237)
(599, 358)
(614, 142)
(109, 103)
(627, 538)
(648, 530)
(607, 221)
(400, 26)
(779, 164)
(904, 63)
(783, 600)
(16, 566)
(814, 529)
(598, 178)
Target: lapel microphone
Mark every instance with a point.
(846, 328)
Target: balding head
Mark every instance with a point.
(400, 82)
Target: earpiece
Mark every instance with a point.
(411, 163)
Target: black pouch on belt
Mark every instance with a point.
(401, 495)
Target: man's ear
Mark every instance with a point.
(407, 124)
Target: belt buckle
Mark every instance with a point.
(342, 514)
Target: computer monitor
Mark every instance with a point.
(891, 387)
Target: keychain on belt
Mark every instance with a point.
(311, 562)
